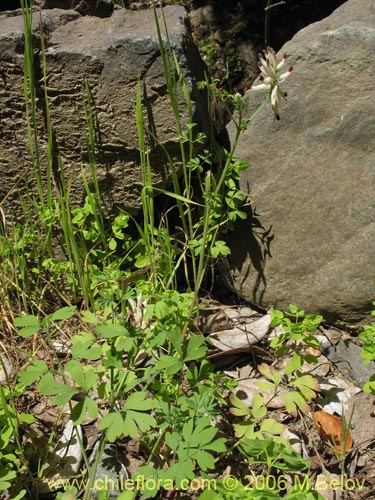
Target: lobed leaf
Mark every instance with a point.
(307, 385)
(48, 386)
(294, 401)
(84, 346)
(270, 426)
(196, 348)
(114, 424)
(29, 325)
(84, 376)
(33, 372)
(83, 407)
(170, 364)
(239, 409)
(109, 331)
(63, 313)
(89, 317)
(258, 409)
(137, 401)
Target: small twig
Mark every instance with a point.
(267, 10)
(283, 2)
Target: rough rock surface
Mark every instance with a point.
(310, 240)
(110, 53)
(100, 8)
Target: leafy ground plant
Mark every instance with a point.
(105, 360)
(368, 352)
(258, 435)
(135, 362)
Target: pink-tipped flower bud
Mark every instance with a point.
(271, 77)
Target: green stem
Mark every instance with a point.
(239, 129)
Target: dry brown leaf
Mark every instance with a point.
(241, 335)
(332, 431)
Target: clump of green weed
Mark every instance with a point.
(368, 352)
(136, 365)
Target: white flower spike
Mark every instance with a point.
(271, 77)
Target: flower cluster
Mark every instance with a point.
(137, 311)
(271, 76)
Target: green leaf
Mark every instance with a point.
(210, 494)
(369, 386)
(143, 474)
(124, 344)
(48, 386)
(312, 321)
(114, 424)
(175, 338)
(196, 348)
(84, 376)
(173, 440)
(63, 313)
(6, 476)
(131, 380)
(187, 430)
(109, 331)
(256, 447)
(161, 309)
(306, 384)
(182, 471)
(270, 426)
(265, 385)
(84, 346)
(126, 495)
(205, 460)
(83, 407)
(29, 320)
(33, 372)
(271, 373)
(258, 409)
(113, 358)
(112, 245)
(142, 261)
(295, 311)
(296, 363)
(137, 401)
(134, 420)
(293, 401)
(245, 429)
(89, 317)
(29, 325)
(239, 409)
(368, 354)
(219, 445)
(202, 434)
(293, 461)
(177, 197)
(20, 495)
(28, 331)
(278, 341)
(170, 364)
(276, 317)
(131, 426)
(26, 418)
(220, 248)
(304, 490)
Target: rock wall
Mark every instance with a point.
(310, 238)
(110, 54)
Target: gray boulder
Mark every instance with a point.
(110, 54)
(100, 8)
(310, 238)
